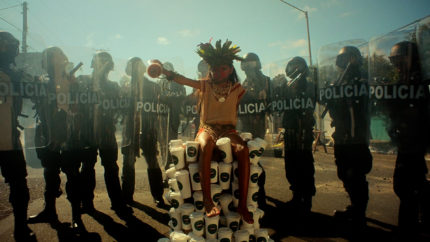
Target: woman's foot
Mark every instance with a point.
(246, 215)
(211, 209)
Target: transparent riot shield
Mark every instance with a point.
(59, 108)
(297, 103)
(16, 109)
(343, 115)
(111, 105)
(172, 95)
(423, 42)
(254, 107)
(154, 121)
(131, 86)
(24, 102)
(279, 84)
(399, 90)
(191, 119)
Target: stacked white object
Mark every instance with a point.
(184, 185)
(175, 222)
(198, 223)
(195, 176)
(186, 210)
(225, 234)
(195, 238)
(180, 189)
(163, 240)
(179, 182)
(178, 237)
(184, 182)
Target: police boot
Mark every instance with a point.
(408, 217)
(48, 214)
(355, 215)
(294, 204)
(345, 214)
(424, 209)
(22, 232)
(307, 204)
(77, 224)
(156, 185)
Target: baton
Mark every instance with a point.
(76, 68)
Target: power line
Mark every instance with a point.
(11, 24)
(14, 6)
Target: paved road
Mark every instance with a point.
(150, 223)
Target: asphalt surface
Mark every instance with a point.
(149, 223)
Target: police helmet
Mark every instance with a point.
(9, 47)
(133, 62)
(168, 66)
(349, 55)
(296, 66)
(202, 69)
(402, 52)
(250, 61)
(52, 56)
(100, 58)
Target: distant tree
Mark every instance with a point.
(380, 70)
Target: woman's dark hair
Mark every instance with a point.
(233, 76)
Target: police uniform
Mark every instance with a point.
(258, 89)
(408, 130)
(351, 120)
(173, 94)
(12, 162)
(98, 137)
(56, 126)
(150, 137)
(298, 121)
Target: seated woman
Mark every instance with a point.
(219, 96)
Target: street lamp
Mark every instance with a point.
(307, 27)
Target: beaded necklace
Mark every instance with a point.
(220, 92)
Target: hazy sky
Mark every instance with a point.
(170, 30)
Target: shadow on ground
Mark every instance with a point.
(317, 226)
(160, 217)
(66, 234)
(134, 229)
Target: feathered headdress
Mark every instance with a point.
(220, 55)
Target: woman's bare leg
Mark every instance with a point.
(240, 151)
(207, 145)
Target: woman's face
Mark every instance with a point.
(221, 73)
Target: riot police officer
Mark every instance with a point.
(258, 89)
(131, 88)
(12, 162)
(151, 134)
(298, 121)
(351, 121)
(173, 95)
(56, 124)
(98, 131)
(408, 130)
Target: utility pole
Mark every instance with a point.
(307, 28)
(24, 27)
